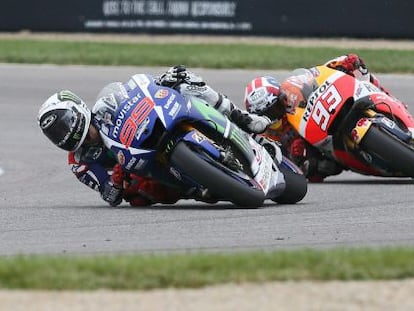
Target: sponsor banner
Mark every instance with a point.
(364, 19)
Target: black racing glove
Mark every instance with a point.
(173, 76)
(112, 193)
(177, 75)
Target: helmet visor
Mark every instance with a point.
(276, 109)
(64, 128)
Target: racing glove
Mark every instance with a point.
(113, 188)
(250, 122)
(297, 148)
(112, 193)
(355, 66)
(351, 64)
(118, 175)
(178, 74)
(189, 84)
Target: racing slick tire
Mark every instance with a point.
(398, 155)
(220, 185)
(295, 189)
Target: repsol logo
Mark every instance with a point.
(312, 99)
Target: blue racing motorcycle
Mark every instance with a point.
(188, 145)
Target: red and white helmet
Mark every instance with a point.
(260, 94)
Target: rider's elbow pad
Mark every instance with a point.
(224, 105)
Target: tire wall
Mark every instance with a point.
(301, 18)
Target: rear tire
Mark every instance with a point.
(296, 187)
(219, 184)
(395, 153)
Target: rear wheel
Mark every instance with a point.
(219, 184)
(396, 154)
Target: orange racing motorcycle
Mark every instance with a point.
(355, 124)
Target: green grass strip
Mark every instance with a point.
(252, 56)
(131, 272)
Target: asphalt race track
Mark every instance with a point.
(43, 209)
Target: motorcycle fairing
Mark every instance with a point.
(196, 138)
(141, 121)
(322, 107)
(399, 109)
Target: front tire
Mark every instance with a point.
(296, 187)
(398, 156)
(219, 184)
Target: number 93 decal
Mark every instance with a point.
(326, 106)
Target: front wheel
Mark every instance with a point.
(296, 187)
(398, 156)
(219, 184)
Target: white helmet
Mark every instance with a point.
(64, 118)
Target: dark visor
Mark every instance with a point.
(67, 130)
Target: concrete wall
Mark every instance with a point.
(300, 18)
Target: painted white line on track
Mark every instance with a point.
(1, 171)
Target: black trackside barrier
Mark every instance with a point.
(300, 18)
